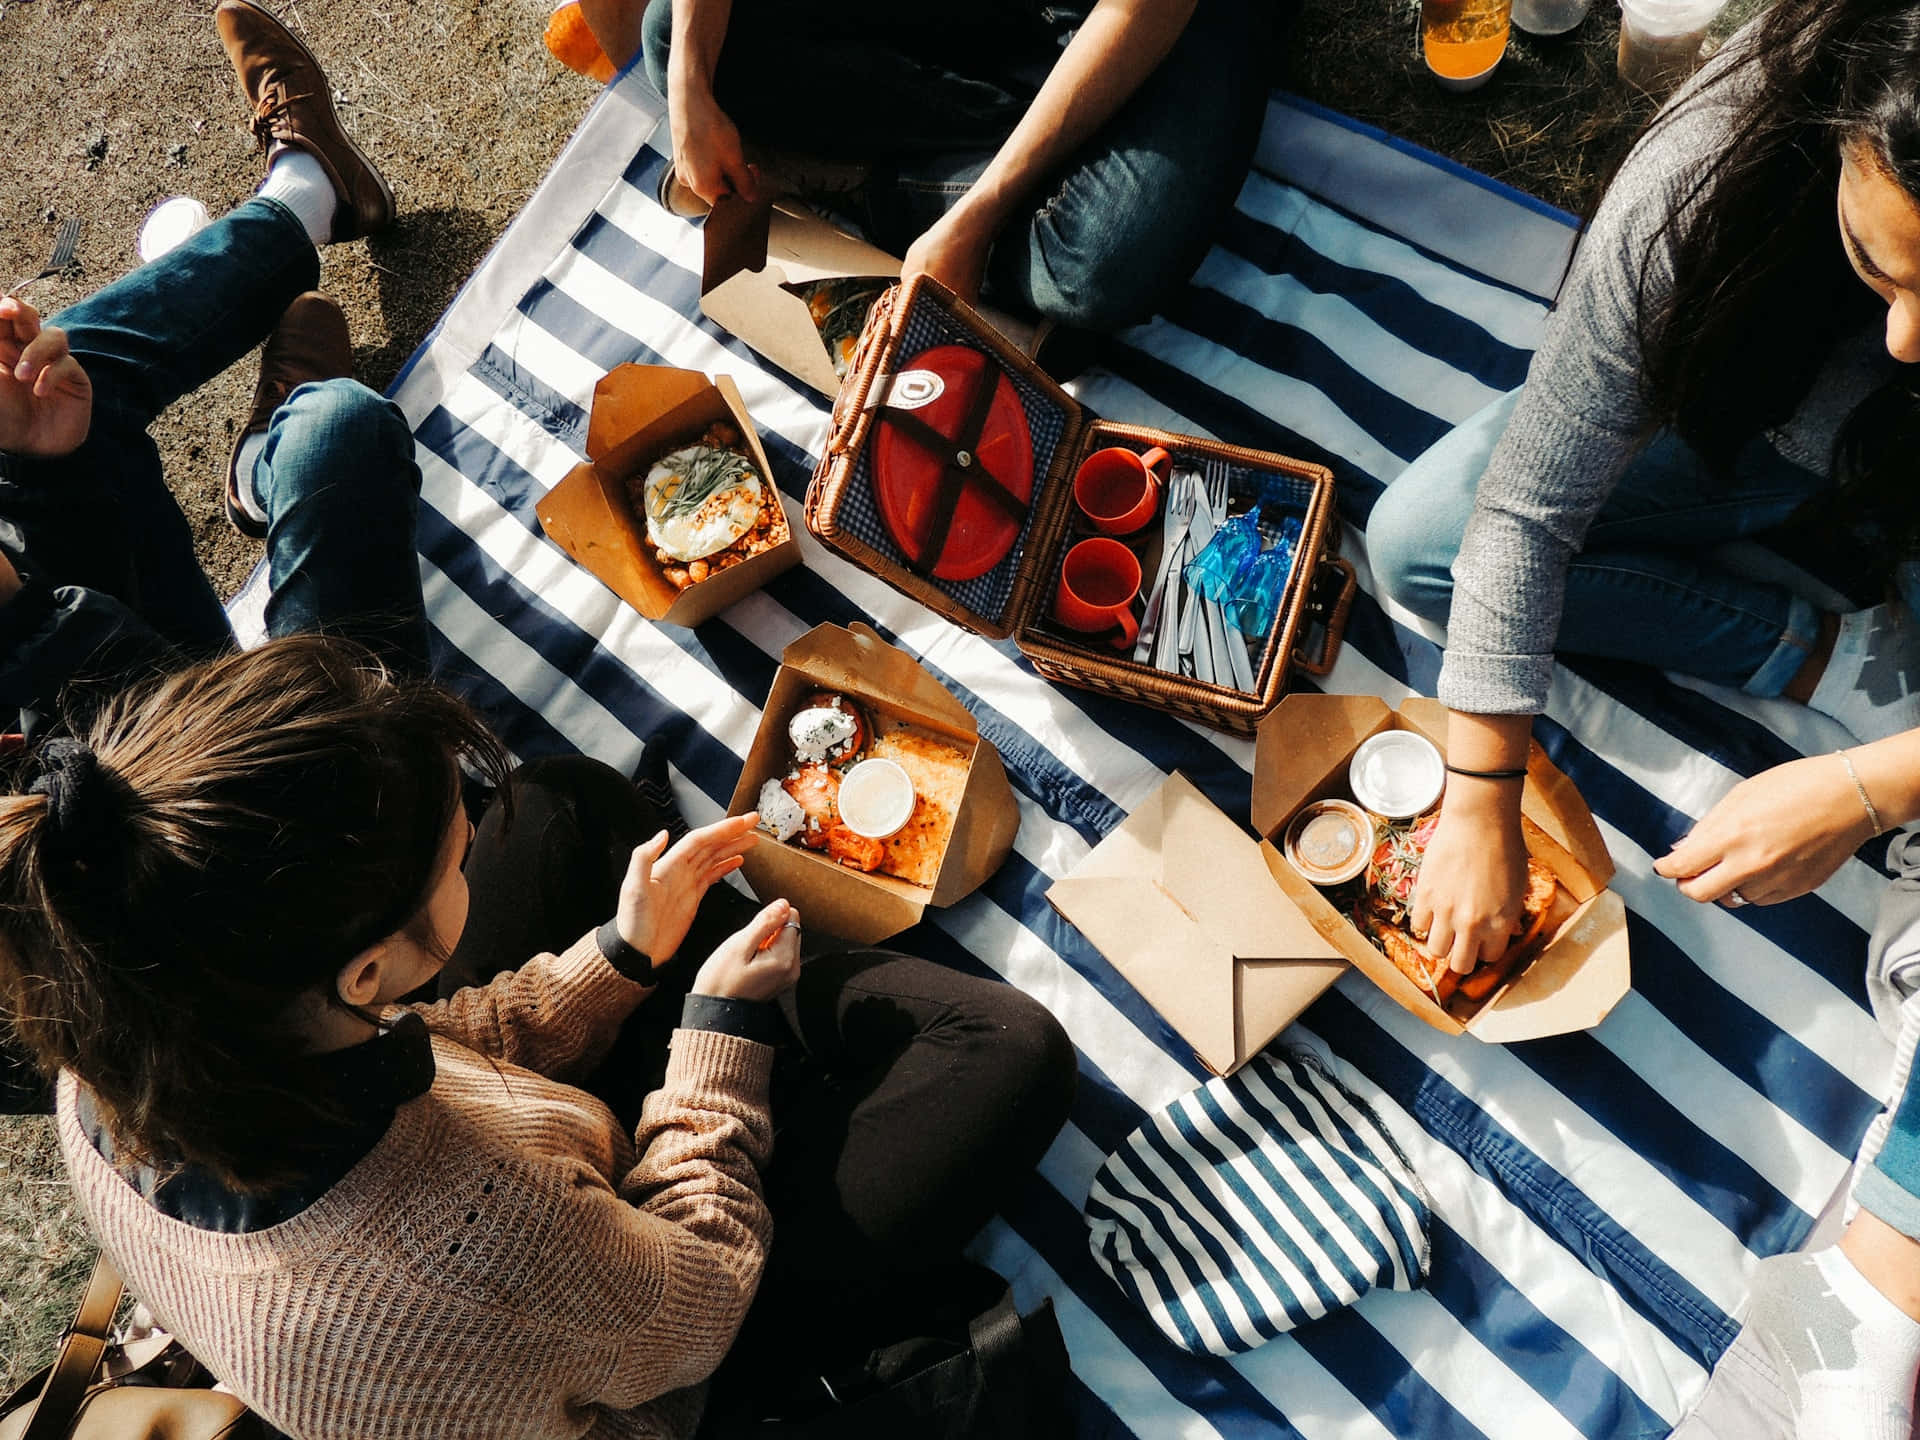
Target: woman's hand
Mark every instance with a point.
(953, 251)
(1772, 837)
(46, 399)
(1473, 879)
(663, 887)
(756, 963)
(708, 157)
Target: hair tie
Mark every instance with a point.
(83, 811)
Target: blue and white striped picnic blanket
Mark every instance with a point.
(1600, 1199)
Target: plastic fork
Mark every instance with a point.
(1183, 494)
(64, 244)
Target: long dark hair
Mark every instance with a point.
(1762, 289)
(189, 875)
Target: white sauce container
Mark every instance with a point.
(876, 799)
(1397, 774)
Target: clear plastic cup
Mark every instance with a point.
(1549, 17)
(1660, 40)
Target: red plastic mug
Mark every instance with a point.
(1098, 581)
(1118, 490)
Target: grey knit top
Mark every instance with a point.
(1581, 418)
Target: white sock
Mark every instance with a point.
(300, 182)
(249, 497)
(1872, 683)
(1847, 1356)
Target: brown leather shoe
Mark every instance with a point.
(293, 105)
(309, 343)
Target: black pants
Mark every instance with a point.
(908, 1099)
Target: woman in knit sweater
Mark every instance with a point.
(1735, 345)
(373, 1218)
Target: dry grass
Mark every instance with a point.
(111, 108)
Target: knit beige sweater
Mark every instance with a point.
(506, 1261)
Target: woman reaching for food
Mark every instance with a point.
(542, 1204)
(1734, 345)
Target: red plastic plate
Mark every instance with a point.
(906, 474)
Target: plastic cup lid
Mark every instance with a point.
(170, 223)
(876, 799)
(1397, 774)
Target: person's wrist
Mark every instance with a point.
(1475, 799)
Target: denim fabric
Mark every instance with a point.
(928, 98)
(1644, 586)
(100, 531)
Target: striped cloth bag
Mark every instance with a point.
(1255, 1204)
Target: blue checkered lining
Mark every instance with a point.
(988, 594)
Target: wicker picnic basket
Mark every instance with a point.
(1013, 599)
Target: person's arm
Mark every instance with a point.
(1120, 44)
(1467, 900)
(558, 1014)
(1785, 831)
(708, 157)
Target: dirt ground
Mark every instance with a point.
(112, 107)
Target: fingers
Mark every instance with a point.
(646, 856)
(38, 362)
(766, 928)
(19, 321)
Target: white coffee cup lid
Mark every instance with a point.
(1397, 774)
(876, 799)
(171, 223)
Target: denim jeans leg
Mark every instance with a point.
(171, 326)
(1640, 588)
(1890, 1188)
(340, 486)
(102, 518)
(1140, 203)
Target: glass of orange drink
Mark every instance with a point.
(1464, 39)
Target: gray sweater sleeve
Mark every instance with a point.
(1579, 421)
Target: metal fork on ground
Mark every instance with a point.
(65, 243)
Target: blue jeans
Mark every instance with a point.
(927, 94)
(1644, 586)
(111, 583)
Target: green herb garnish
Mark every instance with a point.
(703, 472)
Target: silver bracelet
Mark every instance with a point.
(1873, 814)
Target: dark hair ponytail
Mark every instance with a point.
(180, 881)
(1762, 290)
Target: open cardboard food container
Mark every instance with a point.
(888, 684)
(1230, 943)
(641, 412)
(754, 253)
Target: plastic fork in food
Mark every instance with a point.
(64, 245)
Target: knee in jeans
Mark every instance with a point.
(1411, 557)
(348, 411)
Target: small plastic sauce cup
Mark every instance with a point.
(1330, 841)
(876, 799)
(1397, 774)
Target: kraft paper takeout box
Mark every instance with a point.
(888, 683)
(754, 251)
(1230, 943)
(641, 412)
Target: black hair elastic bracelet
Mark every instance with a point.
(1519, 774)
